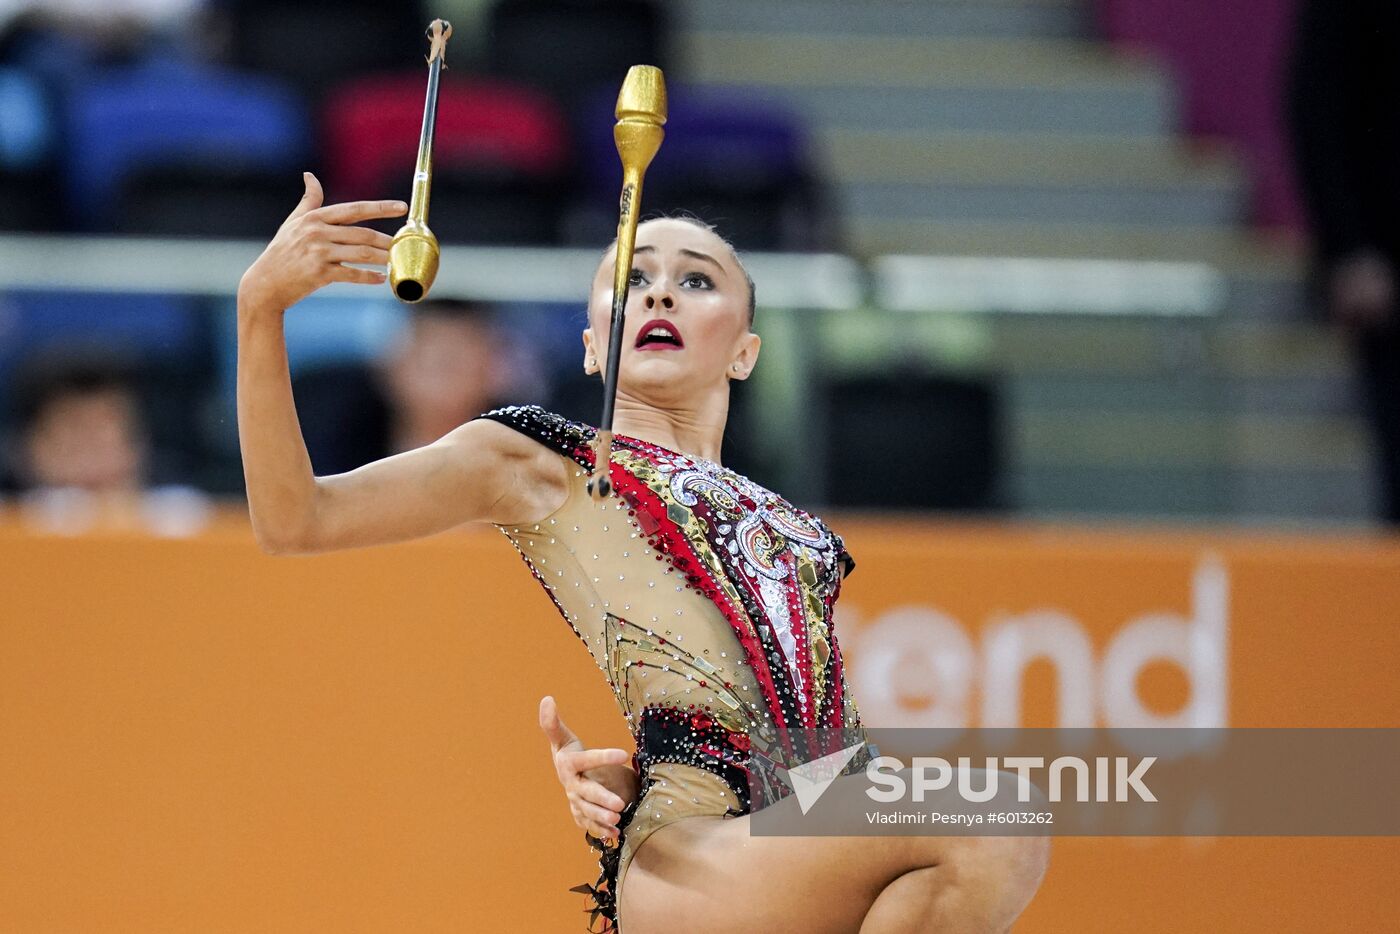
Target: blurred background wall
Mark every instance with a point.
(1025, 268)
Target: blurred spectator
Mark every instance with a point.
(1343, 88)
(451, 364)
(78, 425)
(80, 453)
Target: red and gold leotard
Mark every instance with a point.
(707, 602)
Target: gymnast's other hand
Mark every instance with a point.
(599, 783)
(312, 247)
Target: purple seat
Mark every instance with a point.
(740, 164)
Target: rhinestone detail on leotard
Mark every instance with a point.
(705, 599)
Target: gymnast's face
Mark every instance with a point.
(687, 328)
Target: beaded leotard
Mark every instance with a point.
(707, 602)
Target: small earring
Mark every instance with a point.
(736, 368)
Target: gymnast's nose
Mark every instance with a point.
(659, 295)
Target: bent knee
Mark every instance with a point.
(998, 876)
(1014, 861)
(1031, 859)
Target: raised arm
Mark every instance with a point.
(481, 470)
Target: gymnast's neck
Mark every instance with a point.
(695, 428)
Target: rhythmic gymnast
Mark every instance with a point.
(705, 599)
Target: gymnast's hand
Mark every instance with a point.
(598, 782)
(312, 246)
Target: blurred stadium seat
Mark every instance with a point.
(26, 123)
(159, 326)
(345, 414)
(500, 157)
(207, 201)
(909, 441)
(184, 149)
(740, 165)
(330, 334)
(570, 47)
(318, 44)
(27, 132)
(321, 331)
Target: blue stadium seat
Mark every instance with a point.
(179, 117)
(324, 330)
(321, 331)
(27, 132)
(26, 122)
(145, 326)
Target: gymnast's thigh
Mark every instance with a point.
(709, 874)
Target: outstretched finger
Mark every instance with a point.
(352, 212)
(585, 759)
(595, 793)
(557, 733)
(354, 253)
(364, 236)
(600, 816)
(310, 198)
(340, 273)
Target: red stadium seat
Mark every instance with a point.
(501, 156)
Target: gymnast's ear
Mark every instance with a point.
(747, 356)
(590, 355)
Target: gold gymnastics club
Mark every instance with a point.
(414, 254)
(641, 111)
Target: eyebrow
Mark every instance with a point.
(695, 254)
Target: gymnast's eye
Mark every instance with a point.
(636, 278)
(698, 280)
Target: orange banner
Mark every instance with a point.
(195, 736)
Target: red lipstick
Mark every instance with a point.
(659, 334)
